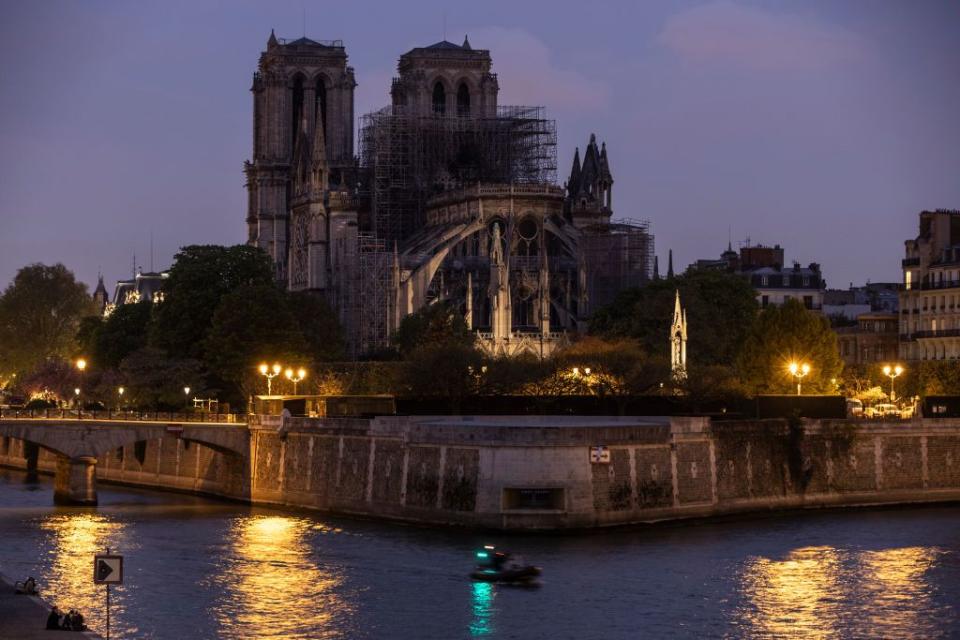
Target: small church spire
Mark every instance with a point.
(670, 264)
(656, 268)
(272, 41)
(466, 43)
(678, 340)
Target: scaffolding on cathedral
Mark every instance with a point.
(618, 257)
(372, 305)
(408, 158)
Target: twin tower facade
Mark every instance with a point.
(449, 197)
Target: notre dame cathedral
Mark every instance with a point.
(450, 197)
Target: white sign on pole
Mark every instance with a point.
(108, 569)
(599, 455)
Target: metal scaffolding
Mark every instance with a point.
(409, 157)
(618, 256)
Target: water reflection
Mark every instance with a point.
(895, 580)
(74, 539)
(808, 593)
(482, 622)
(272, 587)
(794, 597)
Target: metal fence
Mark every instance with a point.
(123, 416)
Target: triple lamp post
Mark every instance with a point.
(798, 370)
(892, 373)
(271, 372)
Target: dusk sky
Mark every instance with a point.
(822, 126)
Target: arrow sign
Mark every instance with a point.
(108, 569)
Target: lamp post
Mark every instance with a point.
(81, 365)
(186, 397)
(300, 375)
(798, 370)
(270, 373)
(892, 373)
(120, 392)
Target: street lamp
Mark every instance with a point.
(892, 373)
(798, 370)
(120, 392)
(301, 374)
(81, 366)
(265, 371)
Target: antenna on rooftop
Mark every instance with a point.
(134, 264)
(151, 252)
(304, 20)
(444, 26)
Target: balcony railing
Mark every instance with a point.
(939, 284)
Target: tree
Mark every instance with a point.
(784, 334)
(448, 369)
(201, 275)
(120, 334)
(319, 326)
(40, 312)
(435, 324)
(251, 325)
(720, 309)
(618, 367)
(153, 380)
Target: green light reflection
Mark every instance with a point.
(482, 624)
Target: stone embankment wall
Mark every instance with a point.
(537, 472)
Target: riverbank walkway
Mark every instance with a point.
(24, 617)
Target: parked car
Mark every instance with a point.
(854, 408)
(882, 411)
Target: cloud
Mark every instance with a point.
(527, 74)
(750, 37)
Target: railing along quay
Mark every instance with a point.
(122, 416)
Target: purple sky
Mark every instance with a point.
(822, 126)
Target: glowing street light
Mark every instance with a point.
(892, 373)
(300, 375)
(798, 370)
(81, 365)
(120, 392)
(265, 371)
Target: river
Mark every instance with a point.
(197, 568)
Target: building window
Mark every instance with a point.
(439, 99)
(764, 301)
(786, 281)
(764, 281)
(806, 281)
(808, 302)
(463, 100)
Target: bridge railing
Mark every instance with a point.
(123, 416)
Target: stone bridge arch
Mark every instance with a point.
(79, 445)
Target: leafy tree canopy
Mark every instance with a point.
(784, 334)
(251, 325)
(319, 326)
(720, 309)
(40, 312)
(120, 334)
(201, 275)
(436, 324)
(153, 380)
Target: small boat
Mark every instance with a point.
(503, 567)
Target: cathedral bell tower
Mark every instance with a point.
(678, 341)
(299, 85)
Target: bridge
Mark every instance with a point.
(79, 441)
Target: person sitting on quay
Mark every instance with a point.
(73, 621)
(53, 620)
(28, 587)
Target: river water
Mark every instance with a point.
(197, 568)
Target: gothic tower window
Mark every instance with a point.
(439, 99)
(463, 100)
(320, 106)
(296, 111)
